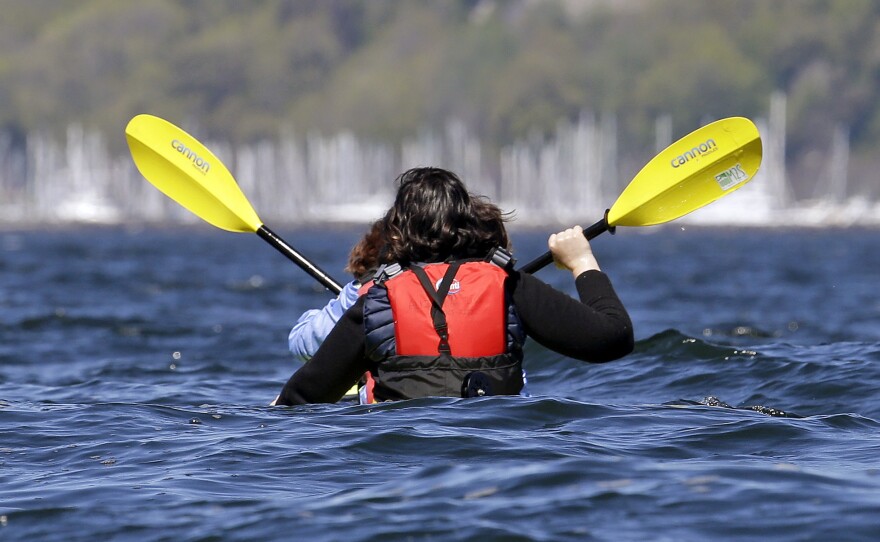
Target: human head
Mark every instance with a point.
(364, 256)
(435, 218)
(493, 220)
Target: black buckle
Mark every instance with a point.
(502, 258)
(386, 271)
(476, 384)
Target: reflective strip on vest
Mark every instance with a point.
(475, 310)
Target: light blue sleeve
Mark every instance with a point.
(314, 325)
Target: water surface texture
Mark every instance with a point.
(136, 366)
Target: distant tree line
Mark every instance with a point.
(243, 71)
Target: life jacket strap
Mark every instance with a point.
(437, 298)
(502, 258)
(386, 271)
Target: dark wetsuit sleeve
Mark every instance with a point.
(336, 366)
(596, 329)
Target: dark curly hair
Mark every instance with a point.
(434, 218)
(364, 257)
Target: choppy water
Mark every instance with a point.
(135, 367)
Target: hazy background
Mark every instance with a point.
(548, 106)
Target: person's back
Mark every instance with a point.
(450, 323)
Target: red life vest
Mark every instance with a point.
(430, 327)
(474, 310)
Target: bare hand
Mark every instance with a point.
(572, 251)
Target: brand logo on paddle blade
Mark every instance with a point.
(729, 178)
(199, 162)
(707, 147)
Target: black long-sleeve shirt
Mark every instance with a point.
(596, 329)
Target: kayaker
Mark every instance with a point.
(449, 317)
(312, 326)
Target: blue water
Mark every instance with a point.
(136, 365)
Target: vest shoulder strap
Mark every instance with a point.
(502, 258)
(386, 271)
(498, 256)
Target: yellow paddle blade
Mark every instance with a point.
(696, 170)
(187, 172)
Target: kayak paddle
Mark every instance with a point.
(696, 170)
(187, 172)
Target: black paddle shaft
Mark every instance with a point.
(547, 258)
(272, 238)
